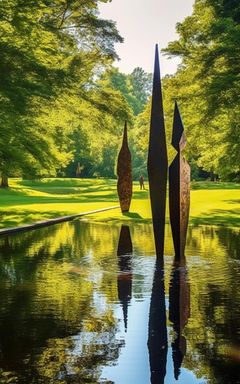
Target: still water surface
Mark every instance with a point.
(87, 303)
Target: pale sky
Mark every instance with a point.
(142, 24)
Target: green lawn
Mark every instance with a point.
(29, 201)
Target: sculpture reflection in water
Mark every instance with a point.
(179, 311)
(124, 282)
(157, 331)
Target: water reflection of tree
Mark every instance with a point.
(231, 240)
(68, 261)
(48, 294)
(213, 337)
(79, 359)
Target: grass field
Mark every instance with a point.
(30, 201)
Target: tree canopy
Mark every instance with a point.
(48, 49)
(208, 83)
(63, 102)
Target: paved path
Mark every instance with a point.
(46, 223)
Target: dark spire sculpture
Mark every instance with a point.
(124, 282)
(124, 172)
(179, 312)
(157, 159)
(179, 188)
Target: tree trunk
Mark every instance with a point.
(4, 182)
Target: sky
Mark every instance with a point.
(142, 24)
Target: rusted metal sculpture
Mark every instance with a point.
(124, 172)
(179, 188)
(179, 312)
(124, 281)
(157, 159)
(157, 332)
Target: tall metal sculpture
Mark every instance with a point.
(179, 188)
(157, 159)
(124, 281)
(124, 172)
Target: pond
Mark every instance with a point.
(87, 303)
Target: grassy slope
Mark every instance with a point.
(27, 201)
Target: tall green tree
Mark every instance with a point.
(97, 131)
(135, 87)
(208, 83)
(141, 87)
(46, 47)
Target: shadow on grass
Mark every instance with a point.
(14, 219)
(15, 198)
(84, 193)
(235, 201)
(213, 185)
(229, 217)
(132, 215)
(140, 194)
(74, 190)
(68, 183)
(70, 191)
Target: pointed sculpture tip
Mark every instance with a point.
(178, 140)
(125, 128)
(177, 109)
(125, 132)
(156, 71)
(156, 52)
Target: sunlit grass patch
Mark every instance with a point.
(30, 201)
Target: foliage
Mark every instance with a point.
(48, 48)
(63, 103)
(135, 87)
(207, 84)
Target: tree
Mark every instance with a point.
(46, 47)
(141, 88)
(207, 83)
(135, 87)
